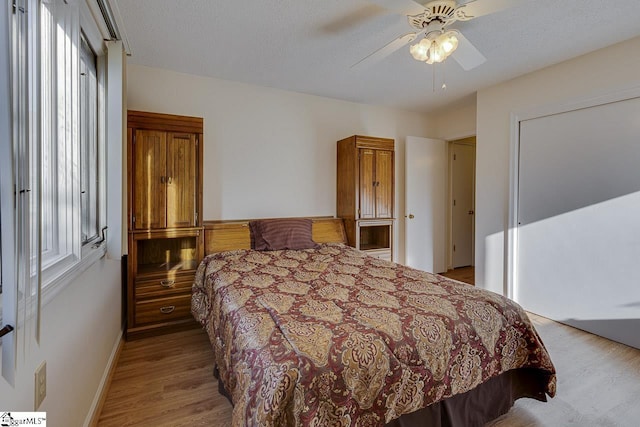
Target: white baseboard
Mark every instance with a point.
(103, 387)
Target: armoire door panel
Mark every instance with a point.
(384, 184)
(181, 180)
(149, 185)
(367, 184)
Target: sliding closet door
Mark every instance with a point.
(578, 243)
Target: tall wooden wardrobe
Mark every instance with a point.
(365, 193)
(164, 220)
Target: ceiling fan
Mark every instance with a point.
(431, 21)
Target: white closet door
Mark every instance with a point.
(578, 244)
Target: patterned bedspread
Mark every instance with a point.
(333, 337)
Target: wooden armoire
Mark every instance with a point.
(365, 193)
(165, 233)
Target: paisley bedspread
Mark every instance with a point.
(334, 337)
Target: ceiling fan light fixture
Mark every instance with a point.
(435, 47)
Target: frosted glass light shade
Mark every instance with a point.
(420, 51)
(435, 47)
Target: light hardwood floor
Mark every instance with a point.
(463, 274)
(167, 381)
(598, 382)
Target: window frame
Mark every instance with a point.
(88, 145)
(74, 255)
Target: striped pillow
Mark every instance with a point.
(284, 233)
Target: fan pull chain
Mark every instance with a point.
(444, 77)
(433, 77)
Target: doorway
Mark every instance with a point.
(462, 167)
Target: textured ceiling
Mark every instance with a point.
(309, 46)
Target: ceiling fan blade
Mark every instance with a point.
(475, 8)
(405, 7)
(466, 54)
(388, 49)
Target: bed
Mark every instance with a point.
(329, 336)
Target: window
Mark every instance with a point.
(89, 164)
(52, 186)
(70, 166)
(64, 144)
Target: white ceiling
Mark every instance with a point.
(309, 46)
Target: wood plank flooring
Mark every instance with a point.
(167, 381)
(598, 382)
(463, 274)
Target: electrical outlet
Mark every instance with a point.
(41, 384)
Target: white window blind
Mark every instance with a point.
(8, 256)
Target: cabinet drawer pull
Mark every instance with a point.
(167, 283)
(168, 309)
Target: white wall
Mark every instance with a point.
(80, 328)
(596, 73)
(268, 152)
(458, 121)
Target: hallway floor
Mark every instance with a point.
(463, 274)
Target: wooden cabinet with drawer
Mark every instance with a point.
(365, 193)
(162, 267)
(164, 154)
(162, 286)
(160, 311)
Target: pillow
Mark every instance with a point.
(256, 238)
(278, 234)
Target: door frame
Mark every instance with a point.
(449, 226)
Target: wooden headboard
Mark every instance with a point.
(222, 236)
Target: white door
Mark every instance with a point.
(578, 235)
(425, 203)
(462, 203)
